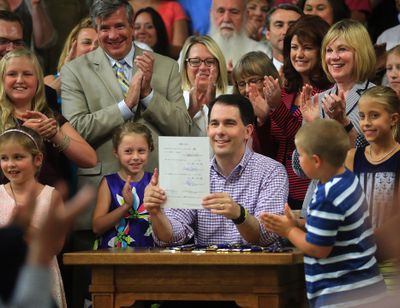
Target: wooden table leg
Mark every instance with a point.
(124, 300)
(102, 300)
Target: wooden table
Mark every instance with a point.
(121, 277)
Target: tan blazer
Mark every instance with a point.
(90, 93)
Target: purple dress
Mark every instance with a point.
(133, 230)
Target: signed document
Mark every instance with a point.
(184, 170)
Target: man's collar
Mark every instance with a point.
(239, 167)
(128, 58)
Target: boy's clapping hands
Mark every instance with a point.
(280, 224)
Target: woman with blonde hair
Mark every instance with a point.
(23, 103)
(82, 39)
(204, 76)
(348, 59)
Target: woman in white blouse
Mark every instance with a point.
(204, 76)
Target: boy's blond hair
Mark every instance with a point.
(326, 138)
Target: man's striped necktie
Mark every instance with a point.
(123, 82)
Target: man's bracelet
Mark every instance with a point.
(349, 127)
(242, 217)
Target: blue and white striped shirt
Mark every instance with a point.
(338, 217)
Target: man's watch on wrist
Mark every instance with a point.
(242, 217)
(348, 127)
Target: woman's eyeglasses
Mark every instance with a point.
(196, 62)
(256, 81)
(6, 41)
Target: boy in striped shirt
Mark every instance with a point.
(338, 244)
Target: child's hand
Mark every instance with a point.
(154, 196)
(127, 193)
(279, 224)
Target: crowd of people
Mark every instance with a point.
(303, 130)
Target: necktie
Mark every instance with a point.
(123, 82)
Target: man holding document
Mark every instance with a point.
(243, 184)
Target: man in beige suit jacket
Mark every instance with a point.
(93, 100)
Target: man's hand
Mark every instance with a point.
(133, 94)
(280, 224)
(145, 63)
(221, 204)
(154, 196)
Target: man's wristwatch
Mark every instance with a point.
(242, 217)
(349, 127)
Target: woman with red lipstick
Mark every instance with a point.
(301, 52)
(204, 76)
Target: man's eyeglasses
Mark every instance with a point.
(6, 41)
(256, 81)
(196, 62)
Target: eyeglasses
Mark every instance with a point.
(257, 81)
(196, 62)
(6, 41)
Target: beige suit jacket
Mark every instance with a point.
(90, 96)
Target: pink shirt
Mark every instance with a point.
(171, 12)
(359, 5)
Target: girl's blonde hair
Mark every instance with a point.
(387, 97)
(72, 36)
(357, 38)
(132, 128)
(213, 48)
(39, 103)
(31, 141)
(395, 50)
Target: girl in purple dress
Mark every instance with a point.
(120, 219)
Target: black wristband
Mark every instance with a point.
(242, 217)
(349, 127)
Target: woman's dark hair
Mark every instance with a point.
(308, 29)
(339, 8)
(162, 44)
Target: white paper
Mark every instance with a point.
(184, 170)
